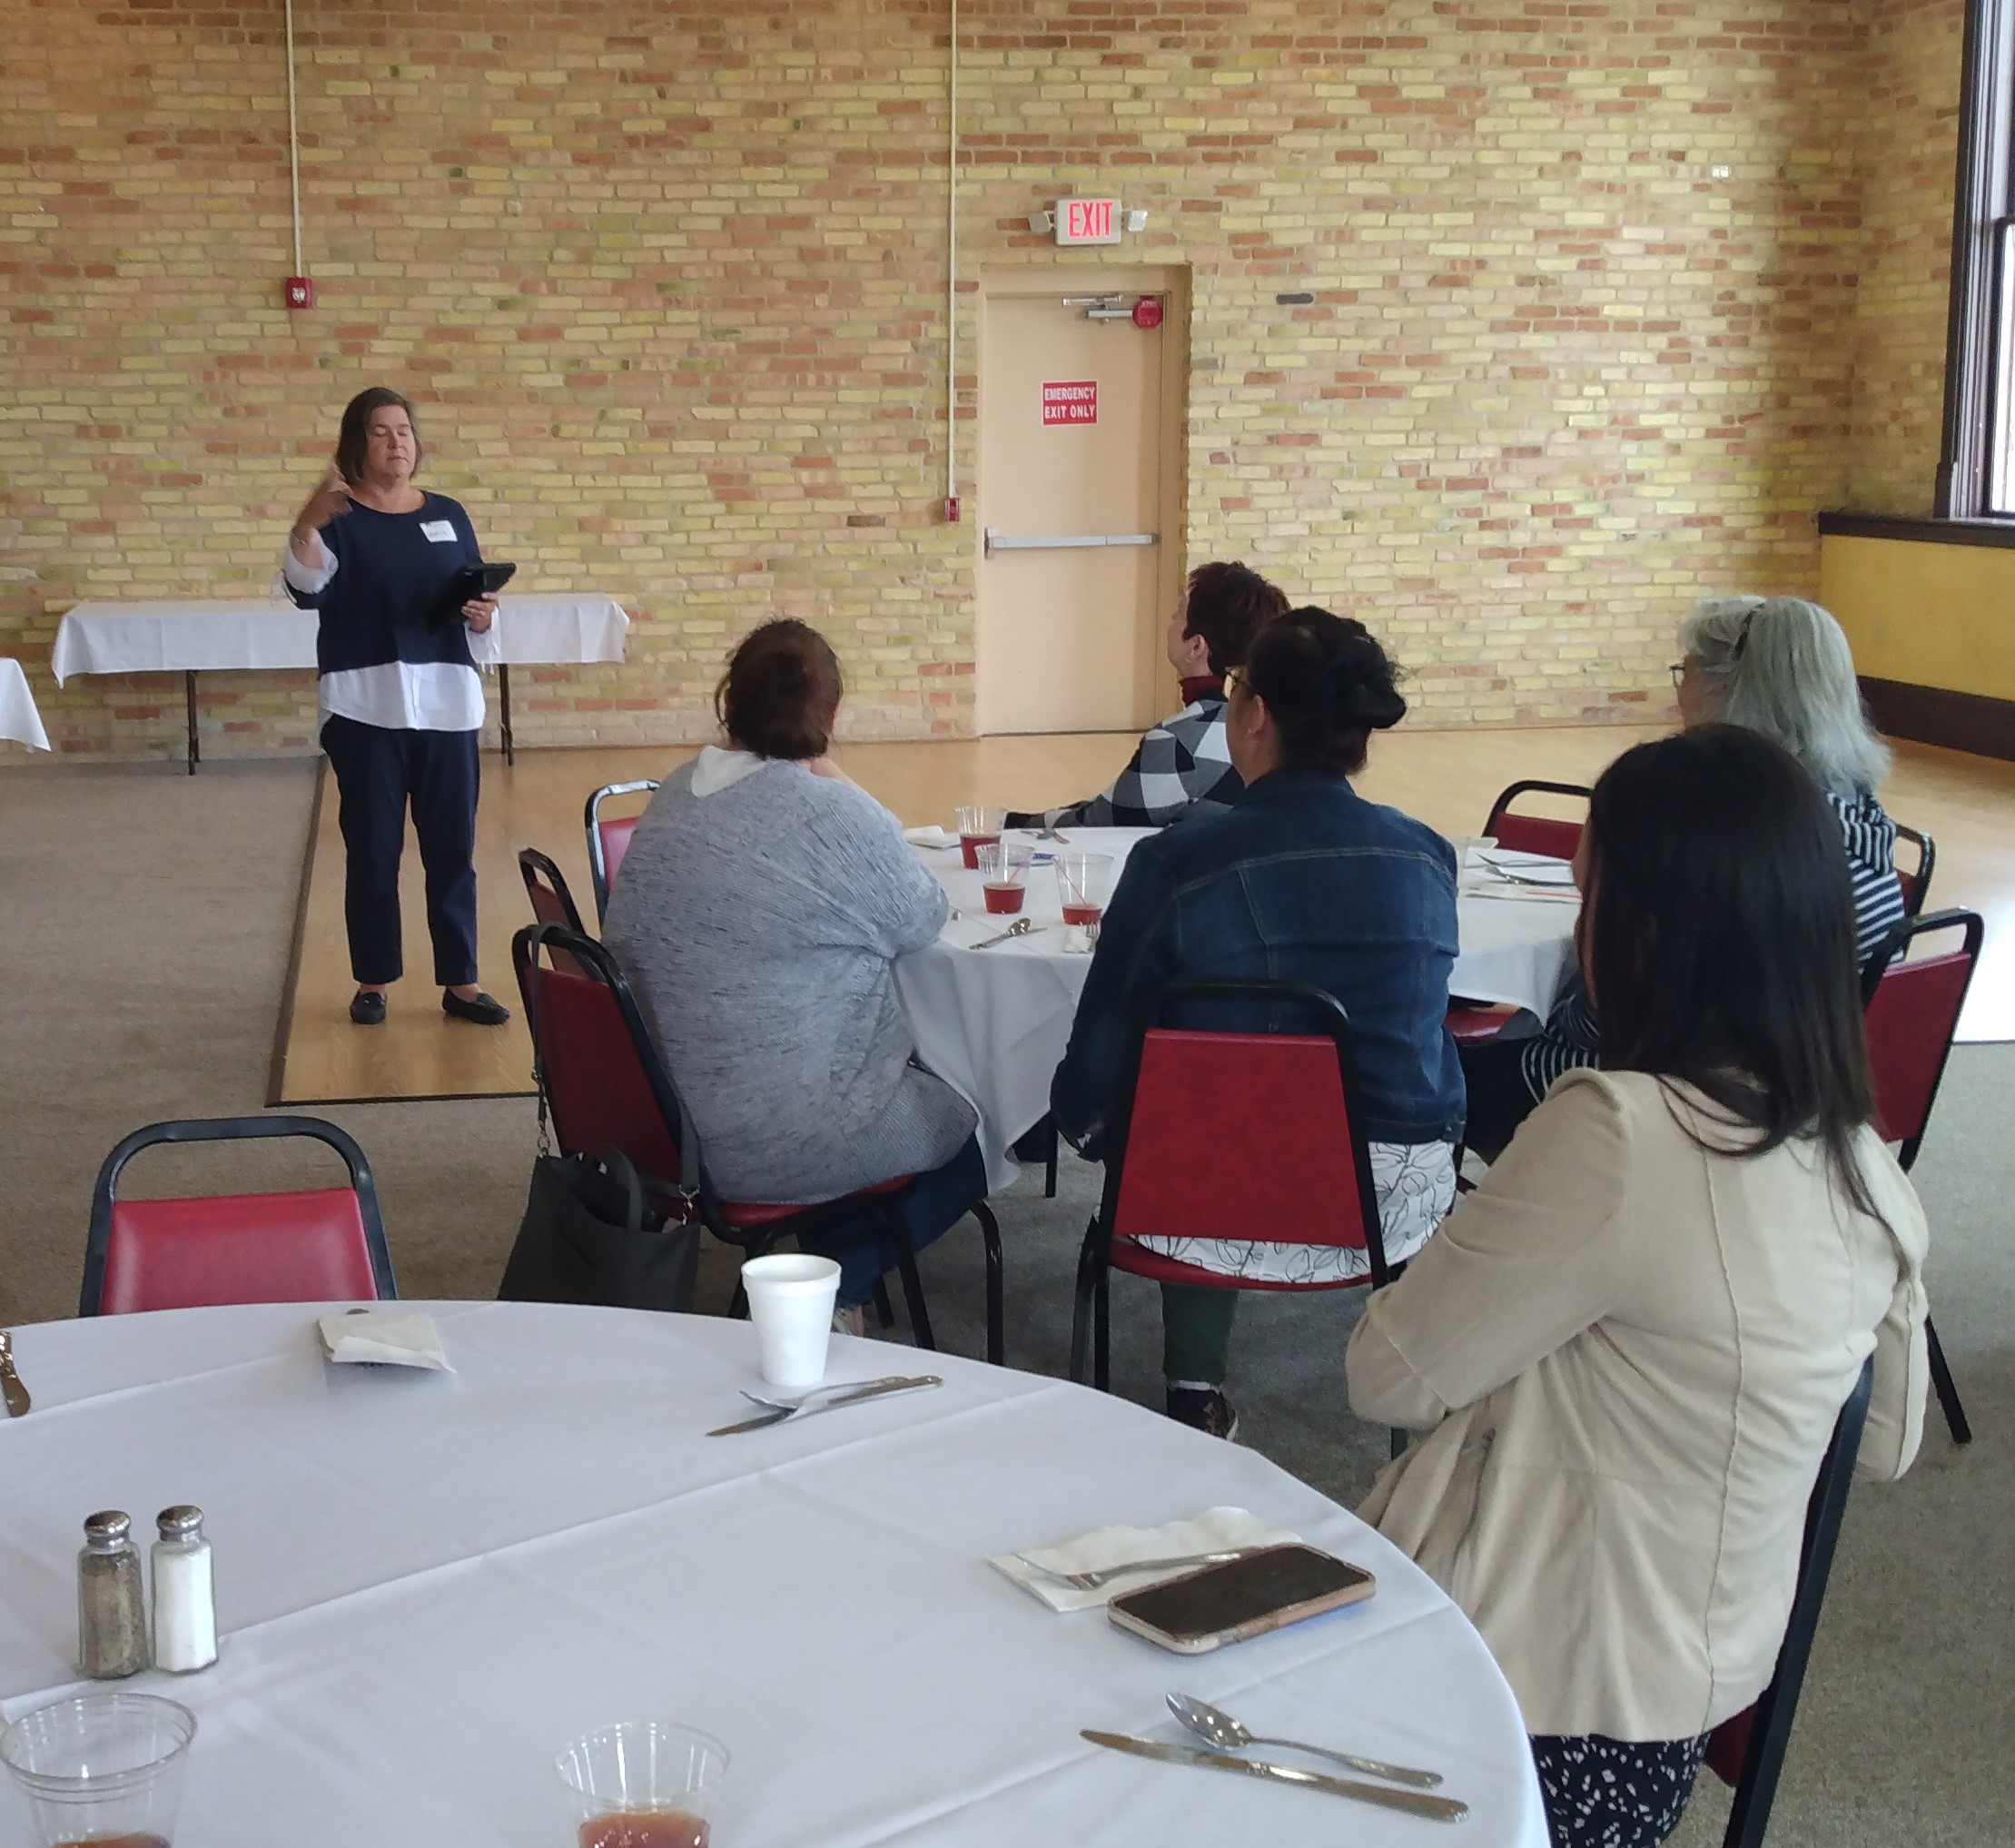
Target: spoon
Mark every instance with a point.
(1020, 928)
(1226, 1733)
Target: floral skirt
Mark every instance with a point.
(1416, 1185)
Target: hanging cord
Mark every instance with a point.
(951, 274)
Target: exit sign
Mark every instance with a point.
(1088, 220)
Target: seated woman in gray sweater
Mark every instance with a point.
(761, 907)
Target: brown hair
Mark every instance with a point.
(1227, 606)
(781, 691)
(353, 437)
(1327, 685)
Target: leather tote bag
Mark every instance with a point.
(589, 1236)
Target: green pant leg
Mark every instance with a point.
(1195, 1333)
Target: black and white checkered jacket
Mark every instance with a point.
(1182, 766)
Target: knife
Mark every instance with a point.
(1439, 1809)
(11, 1387)
(879, 1389)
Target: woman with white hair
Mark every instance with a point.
(1776, 665)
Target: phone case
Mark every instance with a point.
(1202, 1643)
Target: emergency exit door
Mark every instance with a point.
(1079, 507)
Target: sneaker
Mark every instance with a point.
(367, 1008)
(1205, 1409)
(486, 1010)
(850, 1321)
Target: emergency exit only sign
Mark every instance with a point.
(1070, 400)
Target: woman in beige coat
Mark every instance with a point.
(1630, 1344)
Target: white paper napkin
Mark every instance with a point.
(1216, 1531)
(384, 1337)
(932, 837)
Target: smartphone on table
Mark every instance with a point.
(1266, 1589)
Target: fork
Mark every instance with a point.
(1105, 1574)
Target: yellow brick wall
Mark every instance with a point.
(668, 281)
(1908, 153)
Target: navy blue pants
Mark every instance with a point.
(938, 1201)
(377, 772)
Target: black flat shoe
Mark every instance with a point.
(367, 1008)
(486, 1011)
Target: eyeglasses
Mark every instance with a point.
(1233, 677)
(1677, 669)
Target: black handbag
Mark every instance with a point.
(589, 1236)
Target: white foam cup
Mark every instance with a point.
(790, 1300)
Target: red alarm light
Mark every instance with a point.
(299, 293)
(1146, 312)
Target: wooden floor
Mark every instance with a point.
(1447, 778)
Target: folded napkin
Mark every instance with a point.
(932, 837)
(384, 1337)
(1216, 1531)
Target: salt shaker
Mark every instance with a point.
(111, 1616)
(186, 1606)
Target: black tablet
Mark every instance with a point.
(472, 580)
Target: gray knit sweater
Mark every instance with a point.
(760, 927)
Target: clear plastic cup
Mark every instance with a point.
(790, 1300)
(102, 1768)
(644, 1783)
(1083, 883)
(978, 826)
(1003, 868)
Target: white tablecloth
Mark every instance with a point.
(19, 719)
(427, 1582)
(993, 1024)
(229, 634)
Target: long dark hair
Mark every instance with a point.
(781, 691)
(1327, 685)
(1718, 939)
(353, 437)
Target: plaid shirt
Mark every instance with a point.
(1182, 766)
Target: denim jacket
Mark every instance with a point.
(1300, 880)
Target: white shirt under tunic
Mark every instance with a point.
(399, 696)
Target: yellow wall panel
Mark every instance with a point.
(1929, 615)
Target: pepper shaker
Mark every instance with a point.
(111, 1616)
(185, 1608)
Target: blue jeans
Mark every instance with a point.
(936, 1202)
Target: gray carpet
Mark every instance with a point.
(148, 915)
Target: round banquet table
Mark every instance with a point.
(993, 1023)
(427, 1582)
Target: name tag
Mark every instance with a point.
(440, 532)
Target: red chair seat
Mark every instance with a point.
(1728, 1745)
(1138, 1260)
(1477, 1023)
(242, 1247)
(749, 1214)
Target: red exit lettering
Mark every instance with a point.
(1070, 400)
(1091, 218)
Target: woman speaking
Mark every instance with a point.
(401, 702)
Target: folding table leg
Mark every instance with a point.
(189, 696)
(503, 711)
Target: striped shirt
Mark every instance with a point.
(1571, 1036)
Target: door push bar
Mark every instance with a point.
(999, 541)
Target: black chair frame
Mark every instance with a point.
(1771, 1719)
(598, 865)
(1093, 1306)
(232, 1129)
(533, 866)
(695, 1186)
(1529, 785)
(1927, 858)
(1891, 948)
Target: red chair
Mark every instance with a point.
(1912, 1011)
(1476, 1023)
(608, 841)
(1748, 1751)
(599, 1073)
(1257, 1135)
(321, 1245)
(1916, 884)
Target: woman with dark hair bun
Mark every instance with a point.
(763, 901)
(1627, 1348)
(1300, 880)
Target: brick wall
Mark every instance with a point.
(668, 281)
(1909, 142)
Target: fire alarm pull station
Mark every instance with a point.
(301, 292)
(951, 509)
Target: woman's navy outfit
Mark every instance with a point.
(401, 710)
